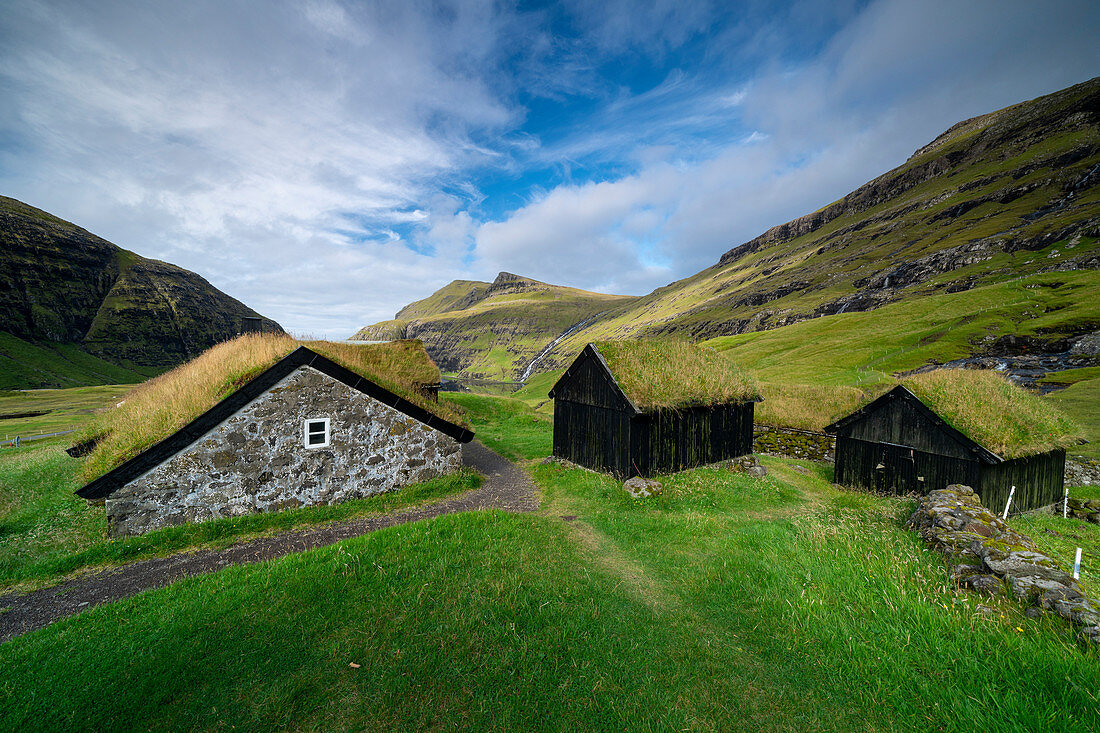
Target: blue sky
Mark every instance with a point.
(327, 162)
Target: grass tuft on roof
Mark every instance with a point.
(159, 407)
(985, 406)
(673, 373)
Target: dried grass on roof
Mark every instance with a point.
(990, 410)
(157, 408)
(669, 373)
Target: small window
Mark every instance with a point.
(315, 432)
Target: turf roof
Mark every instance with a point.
(992, 411)
(158, 408)
(672, 373)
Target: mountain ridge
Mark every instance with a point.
(62, 286)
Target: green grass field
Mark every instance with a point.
(725, 603)
(66, 409)
(508, 426)
(26, 365)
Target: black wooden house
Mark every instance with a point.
(898, 444)
(600, 425)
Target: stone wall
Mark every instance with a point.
(802, 444)
(1087, 510)
(996, 559)
(256, 462)
(1082, 471)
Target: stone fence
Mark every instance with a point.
(995, 559)
(804, 444)
(1084, 509)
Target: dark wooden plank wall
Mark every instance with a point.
(1039, 481)
(665, 441)
(593, 437)
(899, 423)
(902, 469)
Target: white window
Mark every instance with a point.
(315, 432)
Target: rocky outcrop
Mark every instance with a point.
(1001, 560)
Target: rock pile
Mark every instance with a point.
(748, 464)
(1001, 560)
(1086, 509)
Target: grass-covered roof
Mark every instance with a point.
(672, 373)
(158, 408)
(992, 411)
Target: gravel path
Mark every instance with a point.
(506, 487)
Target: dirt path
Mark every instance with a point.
(506, 487)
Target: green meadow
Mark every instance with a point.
(725, 603)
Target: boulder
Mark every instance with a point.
(640, 488)
(748, 464)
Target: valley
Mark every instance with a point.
(1012, 194)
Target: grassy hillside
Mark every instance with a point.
(1009, 194)
(46, 365)
(725, 603)
(492, 330)
(815, 371)
(76, 309)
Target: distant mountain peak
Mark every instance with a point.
(508, 278)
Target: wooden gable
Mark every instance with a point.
(900, 418)
(588, 381)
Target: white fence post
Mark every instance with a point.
(1065, 504)
(1008, 503)
(1077, 565)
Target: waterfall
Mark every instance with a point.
(546, 350)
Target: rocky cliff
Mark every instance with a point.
(60, 284)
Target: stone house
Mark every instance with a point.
(305, 431)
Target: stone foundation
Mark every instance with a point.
(804, 444)
(256, 461)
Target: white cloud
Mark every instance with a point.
(890, 81)
(324, 161)
(246, 157)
